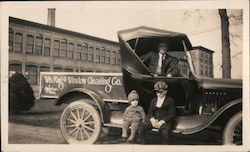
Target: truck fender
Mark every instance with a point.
(215, 117)
(90, 96)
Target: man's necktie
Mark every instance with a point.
(162, 65)
(160, 68)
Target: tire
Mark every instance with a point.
(80, 123)
(233, 130)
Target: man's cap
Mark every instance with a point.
(133, 95)
(160, 86)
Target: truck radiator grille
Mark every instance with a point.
(212, 100)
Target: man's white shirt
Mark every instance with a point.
(160, 102)
(161, 57)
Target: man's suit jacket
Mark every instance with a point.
(166, 112)
(151, 59)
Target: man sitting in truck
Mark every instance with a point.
(160, 63)
(161, 114)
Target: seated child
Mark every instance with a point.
(134, 115)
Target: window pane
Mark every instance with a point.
(71, 51)
(56, 48)
(11, 38)
(91, 50)
(102, 58)
(107, 57)
(31, 74)
(44, 69)
(58, 69)
(14, 68)
(97, 55)
(19, 42)
(68, 70)
(78, 52)
(113, 58)
(29, 44)
(63, 52)
(118, 57)
(39, 45)
(84, 53)
(47, 44)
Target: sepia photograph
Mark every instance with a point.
(125, 76)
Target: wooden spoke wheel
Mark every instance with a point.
(80, 123)
(233, 130)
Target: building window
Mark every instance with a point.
(58, 69)
(107, 57)
(201, 55)
(18, 42)
(14, 68)
(71, 51)
(31, 74)
(11, 39)
(211, 71)
(201, 72)
(90, 54)
(89, 70)
(44, 69)
(113, 60)
(102, 55)
(56, 48)
(29, 44)
(68, 70)
(118, 57)
(78, 52)
(47, 44)
(39, 45)
(97, 55)
(85, 53)
(63, 52)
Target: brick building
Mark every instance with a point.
(34, 48)
(203, 61)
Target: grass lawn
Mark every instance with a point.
(43, 114)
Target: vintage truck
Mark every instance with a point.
(99, 99)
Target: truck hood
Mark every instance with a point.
(209, 83)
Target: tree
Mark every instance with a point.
(225, 35)
(226, 60)
(21, 95)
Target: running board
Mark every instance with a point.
(184, 125)
(112, 125)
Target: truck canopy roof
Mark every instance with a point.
(140, 40)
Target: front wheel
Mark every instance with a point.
(80, 123)
(233, 130)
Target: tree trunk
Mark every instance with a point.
(226, 60)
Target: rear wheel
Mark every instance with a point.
(80, 123)
(233, 130)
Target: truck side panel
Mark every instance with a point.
(109, 86)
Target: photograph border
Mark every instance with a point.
(210, 4)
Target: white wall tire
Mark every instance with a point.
(80, 123)
(233, 131)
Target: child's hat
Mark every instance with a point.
(133, 95)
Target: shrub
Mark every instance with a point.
(21, 95)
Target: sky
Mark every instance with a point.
(104, 19)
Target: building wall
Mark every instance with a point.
(33, 50)
(203, 62)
